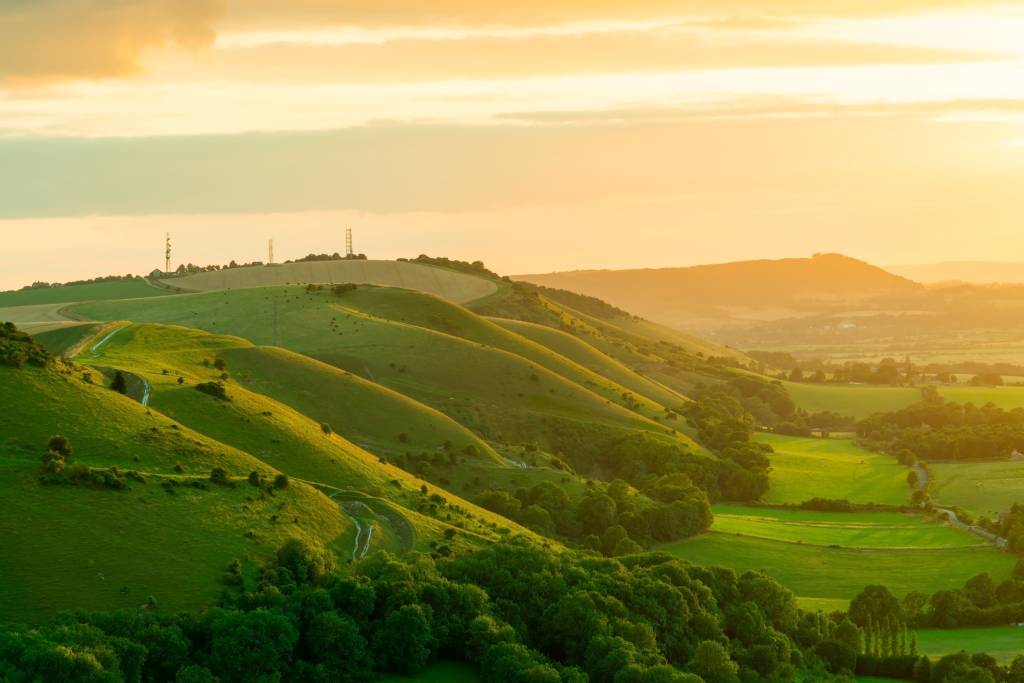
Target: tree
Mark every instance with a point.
(220, 476)
(876, 602)
(246, 646)
(308, 561)
(849, 635)
(119, 383)
(405, 641)
(334, 640)
(61, 445)
(281, 481)
(711, 662)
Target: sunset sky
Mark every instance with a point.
(535, 135)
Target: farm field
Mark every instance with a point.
(805, 468)
(1007, 398)
(96, 291)
(1002, 642)
(981, 488)
(854, 400)
(848, 530)
(824, 577)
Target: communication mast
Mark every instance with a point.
(270, 248)
(167, 254)
(348, 243)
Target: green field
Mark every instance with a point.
(1007, 398)
(98, 291)
(838, 574)
(981, 488)
(855, 400)
(848, 530)
(1002, 642)
(805, 468)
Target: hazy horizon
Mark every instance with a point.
(534, 136)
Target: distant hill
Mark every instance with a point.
(711, 295)
(975, 272)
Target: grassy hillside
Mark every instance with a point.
(97, 291)
(589, 357)
(455, 286)
(499, 395)
(804, 468)
(92, 546)
(1002, 642)
(276, 433)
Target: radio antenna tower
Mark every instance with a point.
(270, 258)
(167, 254)
(348, 243)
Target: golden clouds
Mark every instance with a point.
(44, 40)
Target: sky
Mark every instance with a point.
(535, 135)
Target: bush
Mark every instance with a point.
(281, 481)
(60, 445)
(119, 384)
(215, 389)
(220, 476)
(326, 428)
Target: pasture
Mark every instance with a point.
(1002, 642)
(96, 291)
(855, 400)
(830, 576)
(450, 284)
(893, 530)
(980, 488)
(1007, 398)
(805, 468)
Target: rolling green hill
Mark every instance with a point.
(499, 395)
(95, 291)
(170, 535)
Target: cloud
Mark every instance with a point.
(48, 40)
(538, 12)
(488, 57)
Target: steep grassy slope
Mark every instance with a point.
(454, 286)
(804, 468)
(81, 545)
(589, 357)
(499, 395)
(96, 291)
(277, 434)
(431, 312)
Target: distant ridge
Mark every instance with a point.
(974, 272)
(703, 296)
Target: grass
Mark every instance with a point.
(855, 400)
(805, 468)
(1002, 642)
(441, 672)
(857, 530)
(499, 395)
(450, 284)
(97, 291)
(981, 488)
(278, 434)
(62, 339)
(839, 574)
(1007, 398)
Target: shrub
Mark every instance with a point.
(326, 428)
(255, 479)
(60, 445)
(119, 384)
(281, 481)
(220, 476)
(215, 389)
